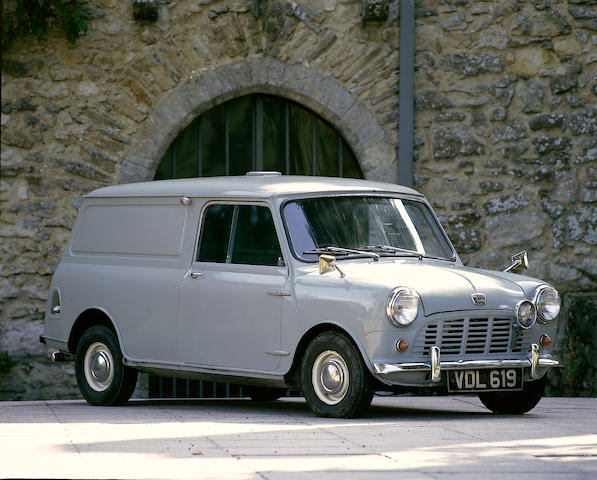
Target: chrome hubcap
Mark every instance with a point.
(330, 377)
(99, 367)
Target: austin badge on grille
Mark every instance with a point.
(478, 298)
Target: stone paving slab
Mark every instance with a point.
(415, 437)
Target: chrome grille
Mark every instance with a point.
(470, 336)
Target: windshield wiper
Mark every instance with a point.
(342, 251)
(392, 250)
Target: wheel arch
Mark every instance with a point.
(87, 319)
(293, 374)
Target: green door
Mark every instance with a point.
(258, 132)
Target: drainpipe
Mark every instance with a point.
(406, 95)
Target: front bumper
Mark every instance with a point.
(435, 366)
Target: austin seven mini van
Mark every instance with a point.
(340, 288)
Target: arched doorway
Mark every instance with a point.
(258, 132)
(372, 144)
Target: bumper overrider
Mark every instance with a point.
(434, 366)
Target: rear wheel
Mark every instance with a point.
(102, 377)
(515, 403)
(335, 381)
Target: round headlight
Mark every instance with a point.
(547, 301)
(525, 314)
(402, 306)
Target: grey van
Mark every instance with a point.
(338, 287)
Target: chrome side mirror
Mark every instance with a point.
(519, 260)
(327, 263)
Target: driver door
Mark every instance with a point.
(230, 307)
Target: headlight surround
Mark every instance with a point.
(402, 306)
(547, 302)
(526, 314)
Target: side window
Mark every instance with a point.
(215, 234)
(254, 240)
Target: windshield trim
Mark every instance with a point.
(398, 196)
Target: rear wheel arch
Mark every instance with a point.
(86, 320)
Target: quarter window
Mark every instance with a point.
(241, 234)
(215, 235)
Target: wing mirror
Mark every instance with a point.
(327, 263)
(519, 260)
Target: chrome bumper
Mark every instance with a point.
(435, 366)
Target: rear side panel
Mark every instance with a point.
(126, 257)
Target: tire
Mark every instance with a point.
(515, 403)
(102, 377)
(263, 394)
(335, 381)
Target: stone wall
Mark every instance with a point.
(507, 131)
(506, 125)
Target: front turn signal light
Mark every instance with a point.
(545, 340)
(402, 345)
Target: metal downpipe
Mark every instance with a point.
(406, 93)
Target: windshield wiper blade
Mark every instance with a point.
(342, 251)
(390, 249)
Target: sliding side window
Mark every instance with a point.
(243, 234)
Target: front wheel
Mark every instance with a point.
(335, 381)
(515, 403)
(102, 377)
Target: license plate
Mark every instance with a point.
(502, 379)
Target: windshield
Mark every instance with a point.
(353, 224)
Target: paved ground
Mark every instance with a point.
(401, 437)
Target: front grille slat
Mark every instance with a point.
(470, 336)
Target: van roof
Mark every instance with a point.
(254, 184)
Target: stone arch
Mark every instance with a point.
(205, 89)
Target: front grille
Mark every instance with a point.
(471, 336)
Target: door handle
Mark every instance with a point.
(278, 293)
(195, 275)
